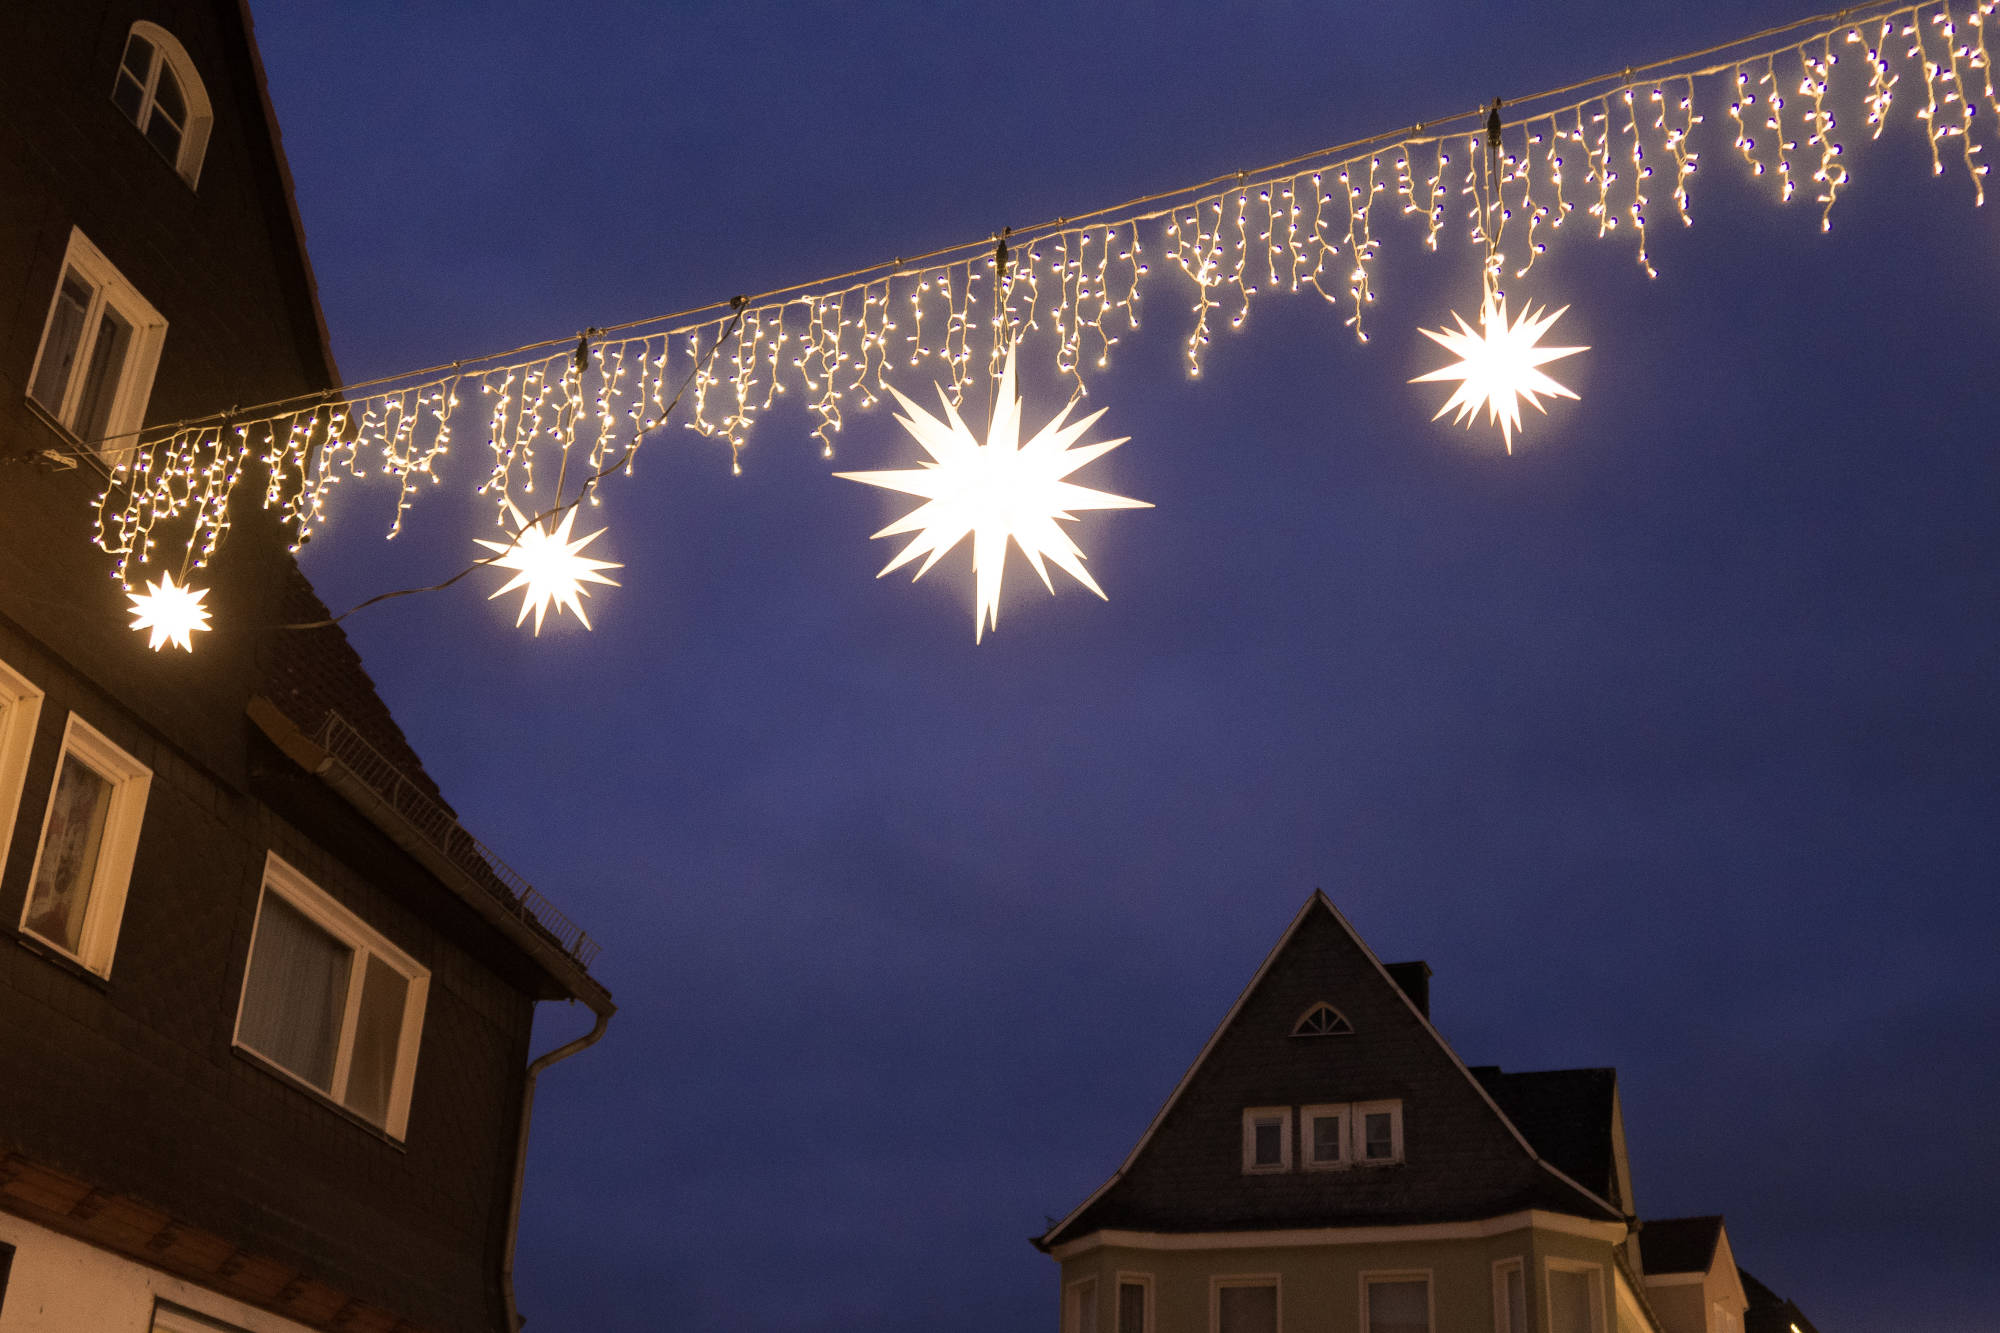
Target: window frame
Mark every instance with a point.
(364, 941)
(134, 389)
(1144, 1281)
(1319, 1111)
(20, 712)
(124, 818)
(1595, 1271)
(200, 123)
(1251, 1115)
(1361, 1112)
(1218, 1281)
(1503, 1309)
(1345, 1029)
(1369, 1277)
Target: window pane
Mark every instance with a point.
(61, 891)
(1270, 1142)
(1381, 1143)
(129, 94)
(164, 131)
(59, 350)
(138, 56)
(1131, 1307)
(1569, 1302)
(1248, 1309)
(167, 97)
(1399, 1307)
(100, 385)
(296, 993)
(1517, 1301)
(371, 1070)
(1081, 1317)
(1326, 1138)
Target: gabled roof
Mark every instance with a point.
(1567, 1114)
(1770, 1312)
(1679, 1244)
(1464, 1159)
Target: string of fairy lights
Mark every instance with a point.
(1596, 155)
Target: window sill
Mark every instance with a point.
(62, 960)
(292, 1080)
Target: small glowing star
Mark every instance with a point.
(172, 611)
(995, 491)
(1499, 365)
(547, 564)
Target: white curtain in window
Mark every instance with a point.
(1247, 1309)
(296, 993)
(1569, 1302)
(1399, 1307)
(61, 892)
(371, 1070)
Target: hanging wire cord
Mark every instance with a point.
(561, 507)
(1423, 131)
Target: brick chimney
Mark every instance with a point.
(1415, 979)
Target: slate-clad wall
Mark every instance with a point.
(131, 1083)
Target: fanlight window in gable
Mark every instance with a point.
(159, 92)
(1322, 1020)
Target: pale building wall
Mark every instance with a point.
(61, 1285)
(1320, 1285)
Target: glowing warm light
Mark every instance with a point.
(998, 491)
(172, 611)
(549, 567)
(1498, 366)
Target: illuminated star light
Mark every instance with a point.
(999, 491)
(1498, 366)
(172, 611)
(549, 567)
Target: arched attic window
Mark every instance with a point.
(159, 92)
(1322, 1020)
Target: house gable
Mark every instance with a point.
(1462, 1158)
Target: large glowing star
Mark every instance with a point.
(548, 565)
(172, 611)
(996, 491)
(1499, 365)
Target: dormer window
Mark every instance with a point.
(160, 93)
(100, 346)
(1322, 1020)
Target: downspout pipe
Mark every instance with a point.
(535, 1069)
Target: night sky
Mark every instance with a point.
(1671, 741)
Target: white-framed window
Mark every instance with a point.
(1575, 1295)
(1080, 1306)
(1322, 1020)
(1323, 1136)
(158, 90)
(1396, 1302)
(83, 863)
(20, 709)
(1267, 1139)
(1378, 1133)
(100, 347)
(331, 1002)
(1244, 1303)
(169, 1318)
(1135, 1303)
(1510, 1296)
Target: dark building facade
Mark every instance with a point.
(264, 1006)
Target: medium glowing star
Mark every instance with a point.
(1499, 365)
(172, 611)
(548, 565)
(996, 491)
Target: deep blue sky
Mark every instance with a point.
(1672, 741)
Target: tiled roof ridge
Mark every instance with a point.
(309, 673)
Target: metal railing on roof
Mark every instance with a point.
(442, 831)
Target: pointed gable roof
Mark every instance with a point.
(1463, 1159)
(1568, 1115)
(1679, 1244)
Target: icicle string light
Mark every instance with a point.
(1073, 286)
